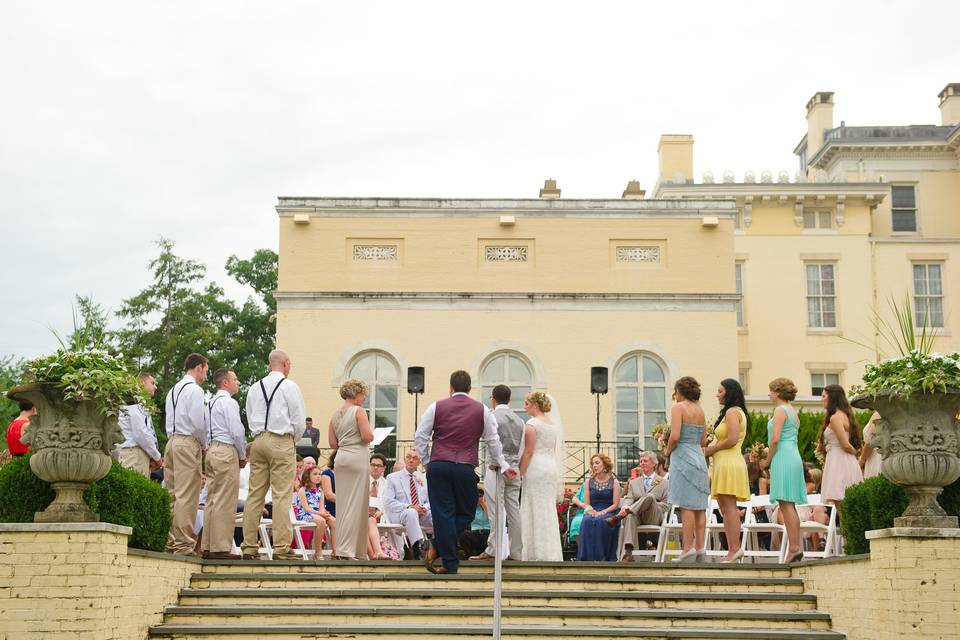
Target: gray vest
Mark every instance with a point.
(510, 430)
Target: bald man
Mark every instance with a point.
(277, 418)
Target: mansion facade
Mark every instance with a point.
(755, 279)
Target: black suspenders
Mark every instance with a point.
(263, 390)
(210, 415)
(173, 400)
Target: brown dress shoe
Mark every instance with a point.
(220, 555)
(614, 520)
(438, 570)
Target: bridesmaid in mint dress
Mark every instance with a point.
(787, 485)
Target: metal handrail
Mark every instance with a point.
(498, 555)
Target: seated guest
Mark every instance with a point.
(328, 484)
(406, 500)
(308, 506)
(312, 432)
(379, 547)
(577, 501)
(15, 430)
(644, 503)
(309, 462)
(601, 495)
(474, 540)
(662, 465)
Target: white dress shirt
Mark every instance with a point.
(225, 424)
(190, 414)
(288, 415)
(137, 429)
(489, 437)
(377, 501)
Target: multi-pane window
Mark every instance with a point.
(817, 220)
(382, 375)
(904, 208)
(820, 380)
(928, 295)
(640, 399)
(744, 379)
(821, 295)
(511, 369)
(738, 278)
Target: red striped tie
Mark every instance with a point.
(414, 498)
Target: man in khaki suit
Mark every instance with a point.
(645, 502)
(277, 419)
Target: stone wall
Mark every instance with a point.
(908, 587)
(78, 582)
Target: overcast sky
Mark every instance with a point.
(121, 122)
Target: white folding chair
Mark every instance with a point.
(671, 527)
(265, 547)
(298, 527)
(715, 528)
(752, 529)
(660, 531)
(829, 530)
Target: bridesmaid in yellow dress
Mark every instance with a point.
(730, 479)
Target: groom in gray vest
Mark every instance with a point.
(455, 426)
(510, 430)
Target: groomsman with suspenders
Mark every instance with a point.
(277, 419)
(225, 457)
(187, 437)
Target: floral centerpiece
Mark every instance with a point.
(917, 395)
(78, 395)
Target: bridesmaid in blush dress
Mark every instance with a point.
(350, 433)
(840, 437)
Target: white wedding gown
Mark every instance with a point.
(538, 498)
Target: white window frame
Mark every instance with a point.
(818, 215)
(738, 269)
(370, 404)
(926, 297)
(810, 296)
(823, 380)
(642, 437)
(516, 399)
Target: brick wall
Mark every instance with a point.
(78, 581)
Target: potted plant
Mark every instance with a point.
(78, 395)
(917, 395)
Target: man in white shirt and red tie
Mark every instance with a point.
(187, 437)
(406, 501)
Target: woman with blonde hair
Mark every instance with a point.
(689, 486)
(541, 467)
(349, 433)
(601, 493)
(787, 486)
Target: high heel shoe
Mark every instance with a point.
(737, 557)
(688, 556)
(702, 555)
(797, 557)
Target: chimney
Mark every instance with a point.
(550, 190)
(819, 119)
(676, 158)
(950, 104)
(633, 191)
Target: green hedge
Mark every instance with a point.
(806, 436)
(121, 497)
(874, 503)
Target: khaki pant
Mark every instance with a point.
(222, 466)
(134, 458)
(181, 474)
(273, 463)
(643, 511)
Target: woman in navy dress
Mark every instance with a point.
(598, 540)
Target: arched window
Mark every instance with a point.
(511, 369)
(382, 374)
(640, 398)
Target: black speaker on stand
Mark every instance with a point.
(598, 387)
(415, 386)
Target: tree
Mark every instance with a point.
(89, 325)
(251, 334)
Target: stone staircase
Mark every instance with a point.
(381, 601)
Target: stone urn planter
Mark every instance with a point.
(70, 442)
(919, 438)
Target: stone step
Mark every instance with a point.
(475, 632)
(652, 569)
(388, 616)
(539, 582)
(374, 597)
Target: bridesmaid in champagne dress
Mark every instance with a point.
(350, 433)
(840, 438)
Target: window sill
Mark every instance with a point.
(742, 331)
(940, 333)
(831, 331)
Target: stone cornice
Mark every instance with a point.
(466, 207)
(789, 192)
(908, 148)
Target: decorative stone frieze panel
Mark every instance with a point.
(506, 253)
(376, 252)
(638, 254)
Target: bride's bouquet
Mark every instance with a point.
(757, 451)
(661, 433)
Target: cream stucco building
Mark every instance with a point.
(718, 278)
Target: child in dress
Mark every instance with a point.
(308, 506)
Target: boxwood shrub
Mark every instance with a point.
(874, 503)
(121, 497)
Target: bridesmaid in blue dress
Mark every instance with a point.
(787, 485)
(689, 486)
(601, 497)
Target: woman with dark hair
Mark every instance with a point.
(730, 479)
(840, 437)
(689, 488)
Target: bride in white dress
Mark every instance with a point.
(541, 466)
